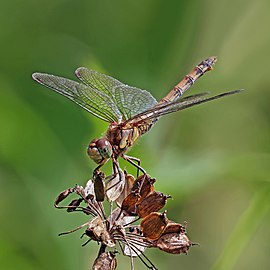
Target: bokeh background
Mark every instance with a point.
(213, 159)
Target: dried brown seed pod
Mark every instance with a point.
(144, 184)
(105, 261)
(153, 225)
(129, 204)
(152, 203)
(173, 227)
(174, 243)
(99, 186)
(64, 194)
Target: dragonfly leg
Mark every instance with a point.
(116, 172)
(131, 161)
(99, 166)
(117, 169)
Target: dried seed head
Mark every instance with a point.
(142, 201)
(144, 184)
(97, 231)
(174, 243)
(105, 261)
(152, 203)
(129, 204)
(153, 225)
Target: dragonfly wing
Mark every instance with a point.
(190, 98)
(97, 80)
(178, 105)
(130, 101)
(92, 100)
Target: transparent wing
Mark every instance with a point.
(96, 102)
(130, 101)
(162, 109)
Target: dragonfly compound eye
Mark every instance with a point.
(104, 147)
(99, 149)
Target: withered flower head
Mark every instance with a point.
(133, 200)
(174, 243)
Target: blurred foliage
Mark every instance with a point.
(213, 159)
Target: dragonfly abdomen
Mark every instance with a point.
(146, 125)
(189, 80)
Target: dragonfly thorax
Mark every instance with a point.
(100, 150)
(122, 137)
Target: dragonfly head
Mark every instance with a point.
(99, 149)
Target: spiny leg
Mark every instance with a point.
(99, 166)
(131, 161)
(116, 171)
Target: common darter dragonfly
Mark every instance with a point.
(130, 111)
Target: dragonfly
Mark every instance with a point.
(130, 111)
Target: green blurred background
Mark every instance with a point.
(213, 159)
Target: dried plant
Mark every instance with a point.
(136, 202)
